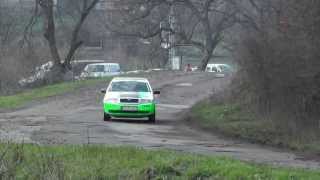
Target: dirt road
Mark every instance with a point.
(76, 118)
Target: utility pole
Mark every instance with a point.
(172, 39)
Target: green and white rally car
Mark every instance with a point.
(128, 97)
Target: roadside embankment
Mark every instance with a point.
(234, 121)
(17, 100)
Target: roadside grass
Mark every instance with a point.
(233, 121)
(102, 162)
(17, 100)
(20, 99)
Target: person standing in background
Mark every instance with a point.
(188, 68)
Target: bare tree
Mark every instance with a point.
(279, 62)
(204, 27)
(12, 56)
(62, 66)
(211, 18)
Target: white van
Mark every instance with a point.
(221, 70)
(100, 70)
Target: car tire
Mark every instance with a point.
(152, 118)
(106, 117)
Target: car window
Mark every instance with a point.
(96, 68)
(214, 69)
(224, 68)
(129, 86)
(114, 68)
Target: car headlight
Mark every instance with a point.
(111, 100)
(146, 100)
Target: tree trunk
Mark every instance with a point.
(61, 71)
(75, 42)
(210, 44)
(205, 60)
(56, 74)
(47, 7)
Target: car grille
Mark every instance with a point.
(130, 96)
(129, 100)
(130, 112)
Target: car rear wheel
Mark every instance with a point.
(106, 117)
(152, 118)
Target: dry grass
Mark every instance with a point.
(101, 162)
(235, 121)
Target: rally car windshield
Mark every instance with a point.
(129, 86)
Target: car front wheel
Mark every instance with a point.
(106, 117)
(152, 118)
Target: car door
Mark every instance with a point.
(106, 71)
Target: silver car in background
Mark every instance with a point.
(101, 70)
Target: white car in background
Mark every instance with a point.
(220, 70)
(101, 70)
(194, 68)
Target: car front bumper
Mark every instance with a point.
(117, 110)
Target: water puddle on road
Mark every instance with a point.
(173, 106)
(184, 85)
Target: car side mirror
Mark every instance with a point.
(156, 92)
(103, 91)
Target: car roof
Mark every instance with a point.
(130, 79)
(103, 64)
(88, 61)
(212, 65)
